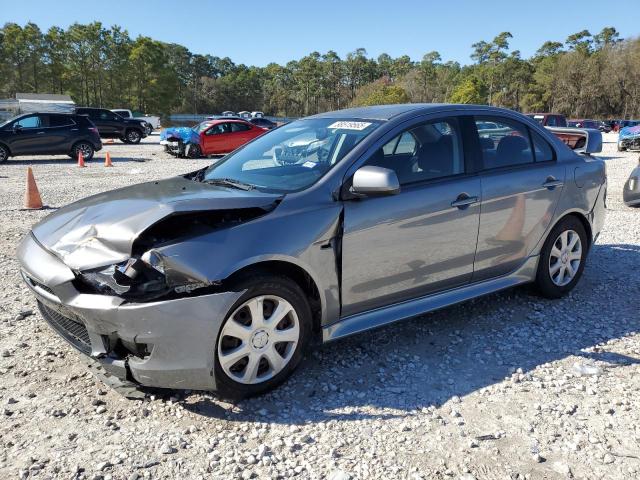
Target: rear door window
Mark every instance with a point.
(60, 121)
(505, 145)
(239, 127)
(542, 150)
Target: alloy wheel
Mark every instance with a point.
(133, 136)
(4, 154)
(86, 150)
(565, 258)
(258, 340)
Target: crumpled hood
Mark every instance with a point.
(630, 132)
(186, 134)
(101, 229)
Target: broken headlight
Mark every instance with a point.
(137, 277)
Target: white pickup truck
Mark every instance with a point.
(150, 119)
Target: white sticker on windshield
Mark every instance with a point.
(350, 125)
(309, 164)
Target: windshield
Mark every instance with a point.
(9, 121)
(201, 127)
(293, 156)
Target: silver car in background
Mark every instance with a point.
(325, 227)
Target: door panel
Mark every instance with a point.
(519, 195)
(404, 246)
(31, 139)
(516, 211)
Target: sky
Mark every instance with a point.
(260, 32)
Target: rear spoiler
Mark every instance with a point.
(580, 140)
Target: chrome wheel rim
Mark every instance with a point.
(565, 258)
(85, 149)
(3, 154)
(258, 339)
(133, 136)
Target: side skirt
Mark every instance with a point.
(361, 322)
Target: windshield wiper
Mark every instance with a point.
(230, 182)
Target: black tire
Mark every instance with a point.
(132, 136)
(148, 130)
(258, 285)
(4, 153)
(193, 151)
(545, 283)
(86, 148)
(621, 149)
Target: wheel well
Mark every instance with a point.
(7, 147)
(295, 273)
(585, 224)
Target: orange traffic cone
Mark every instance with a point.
(107, 160)
(80, 160)
(32, 198)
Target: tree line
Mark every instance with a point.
(586, 75)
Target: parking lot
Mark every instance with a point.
(507, 386)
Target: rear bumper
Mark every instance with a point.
(167, 344)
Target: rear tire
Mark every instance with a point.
(562, 258)
(86, 148)
(4, 154)
(273, 349)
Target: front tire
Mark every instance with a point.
(264, 337)
(562, 258)
(132, 136)
(193, 151)
(4, 154)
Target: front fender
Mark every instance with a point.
(302, 238)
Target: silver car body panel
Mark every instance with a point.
(373, 260)
(400, 311)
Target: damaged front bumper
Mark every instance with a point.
(167, 344)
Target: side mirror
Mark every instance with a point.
(371, 180)
(17, 128)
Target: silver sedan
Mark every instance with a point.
(322, 228)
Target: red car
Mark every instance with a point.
(224, 136)
(211, 137)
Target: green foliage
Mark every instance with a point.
(468, 91)
(586, 76)
(380, 92)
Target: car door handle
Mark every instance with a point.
(40, 133)
(552, 183)
(463, 201)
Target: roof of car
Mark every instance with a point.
(387, 112)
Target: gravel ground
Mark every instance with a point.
(507, 386)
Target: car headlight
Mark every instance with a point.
(137, 277)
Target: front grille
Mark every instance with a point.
(72, 331)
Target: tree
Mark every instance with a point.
(380, 92)
(587, 76)
(467, 92)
